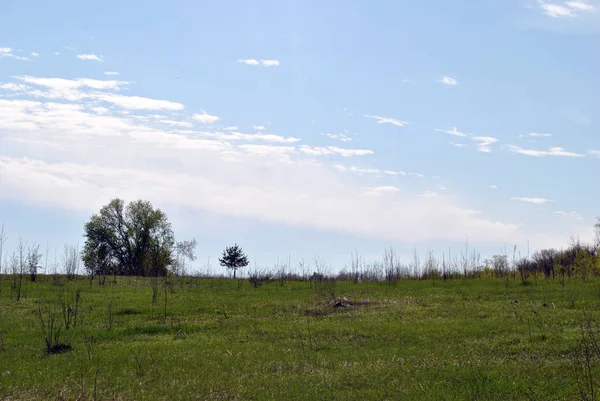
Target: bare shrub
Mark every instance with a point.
(51, 328)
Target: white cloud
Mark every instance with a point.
(484, 143)
(100, 110)
(34, 54)
(249, 61)
(362, 171)
(381, 191)
(539, 135)
(417, 175)
(92, 57)
(4, 50)
(458, 145)
(184, 124)
(258, 127)
(65, 84)
(104, 154)
(264, 63)
(578, 5)
(387, 120)
(232, 128)
(11, 55)
(137, 102)
(536, 201)
(111, 73)
(333, 150)
(493, 187)
(449, 81)
(237, 136)
(339, 137)
(452, 131)
(56, 53)
(394, 172)
(568, 10)
(14, 87)
(554, 10)
(281, 153)
(270, 63)
(575, 215)
(205, 118)
(555, 151)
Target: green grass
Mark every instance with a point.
(474, 339)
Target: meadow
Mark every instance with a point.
(222, 339)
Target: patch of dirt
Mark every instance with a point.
(344, 303)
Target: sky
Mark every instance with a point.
(302, 128)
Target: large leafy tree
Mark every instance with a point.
(134, 239)
(233, 258)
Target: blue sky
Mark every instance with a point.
(304, 128)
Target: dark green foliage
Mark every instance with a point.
(233, 258)
(132, 240)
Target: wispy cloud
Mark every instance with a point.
(357, 170)
(387, 120)
(204, 171)
(238, 136)
(111, 73)
(381, 191)
(232, 128)
(578, 5)
(575, 215)
(249, 61)
(536, 135)
(555, 10)
(264, 63)
(333, 150)
(258, 127)
(138, 103)
(449, 81)
(458, 145)
(493, 187)
(92, 57)
(7, 52)
(536, 201)
(205, 118)
(394, 172)
(173, 123)
(339, 137)
(484, 142)
(270, 63)
(569, 9)
(63, 84)
(554, 151)
(34, 54)
(452, 131)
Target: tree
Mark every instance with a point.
(233, 258)
(133, 240)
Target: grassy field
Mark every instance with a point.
(224, 340)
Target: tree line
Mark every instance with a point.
(137, 239)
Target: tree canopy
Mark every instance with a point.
(133, 240)
(233, 258)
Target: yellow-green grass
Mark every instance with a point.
(224, 340)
